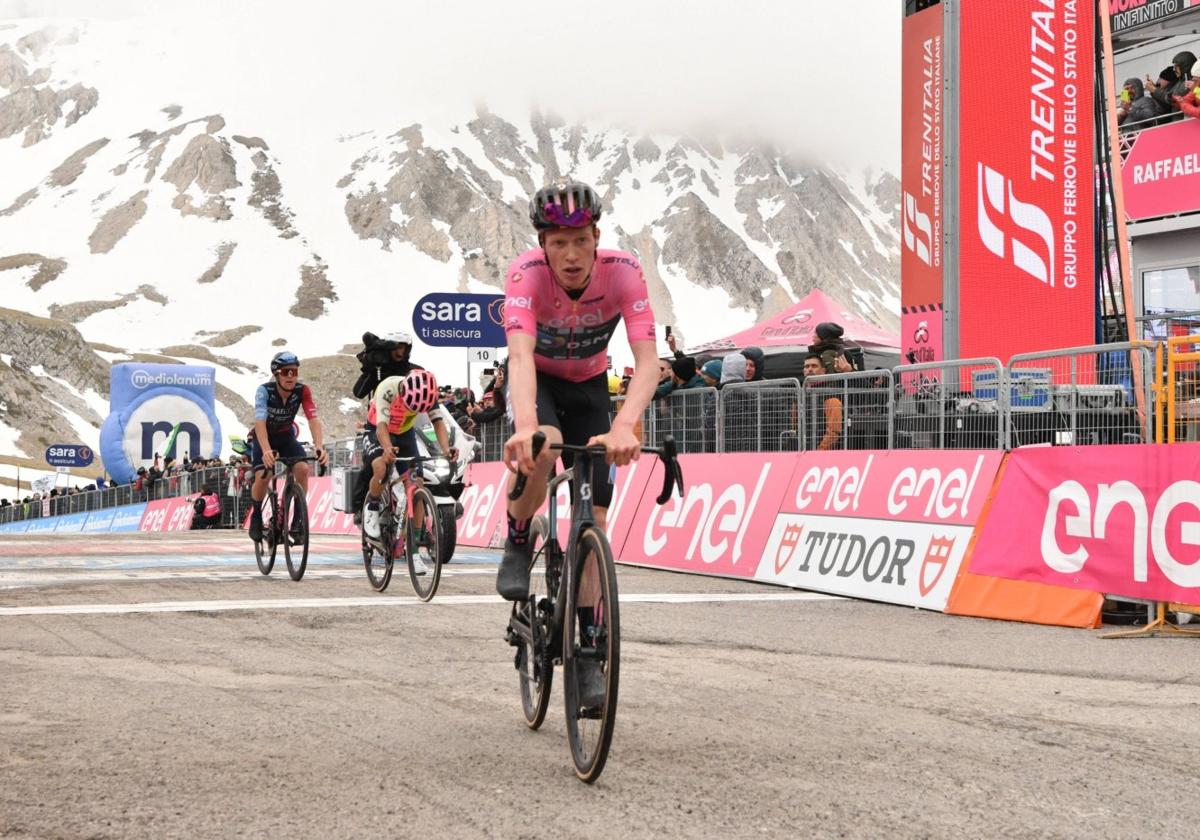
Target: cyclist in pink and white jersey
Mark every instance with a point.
(563, 301)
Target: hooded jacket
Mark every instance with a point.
(1141, 106)
(733, 369)
(756, 355)
(1165, 97)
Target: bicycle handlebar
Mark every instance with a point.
(668, 453)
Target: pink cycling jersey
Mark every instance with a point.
(572, 335)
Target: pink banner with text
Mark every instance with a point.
(174, 514)
(1161, 173)
(721, 523)
(1120, 520)
(887, 526)
(484, 520)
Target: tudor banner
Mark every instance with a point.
(1026, 275)
(888, 526)
(921, 78)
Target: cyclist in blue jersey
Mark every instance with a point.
(276, 404)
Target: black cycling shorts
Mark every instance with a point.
(405, 443)
(284, 443)
(580, 410)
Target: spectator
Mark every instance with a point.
(825, 426)
(733, 369)
(756, 364)
(1181, 66)
(1139, 108)
(710, 372)
(1190, 103)
(739, 419)
(493, 404)
(101, 484)
(206, 509)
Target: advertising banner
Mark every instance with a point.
(458, 320)
(149, 403)
(1120, 520)
(1026, 277)
(921, 79)
(1132, 14)
(15, 527)
(322, 517)
(43, 525)
(887, 526)
(69, 523)
(1161, 174)
(100, 521)
(720, 525)
(168, 515)
(484, 521)
(69, 455)
(127, 518)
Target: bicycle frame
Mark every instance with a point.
(389, 487)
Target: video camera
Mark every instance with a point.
(376, 351)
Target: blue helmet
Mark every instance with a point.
(284, 358)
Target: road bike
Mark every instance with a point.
(561, 622)
(401, 508)
(284, 521)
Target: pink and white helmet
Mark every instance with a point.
(419, 391)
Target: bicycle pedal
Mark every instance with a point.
(590, 713)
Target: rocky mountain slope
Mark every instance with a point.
(155, 228)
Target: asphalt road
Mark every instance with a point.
(160, 687)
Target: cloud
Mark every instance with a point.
(812, 77)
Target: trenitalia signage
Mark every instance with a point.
(921, 81)
(1025, 274)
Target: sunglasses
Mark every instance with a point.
(553, 213)
(289, 371)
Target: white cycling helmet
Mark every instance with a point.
(398, 337)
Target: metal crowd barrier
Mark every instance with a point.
(231, 482)
(848, 410)
(1083, 395)
(1103, 394)
(758, 416)
(960, 404)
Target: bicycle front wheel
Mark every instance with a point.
(294, 528)
(264, 549)
(591, 654)
(380, 558)
(423, 541)
(534, 662)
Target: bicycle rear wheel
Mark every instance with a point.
(380, 559)
(535, 663)
(264, 549)
(294, 527)
(424, 556)
(591, 654)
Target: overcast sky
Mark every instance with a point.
(819, 78)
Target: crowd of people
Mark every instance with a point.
(1175, 91)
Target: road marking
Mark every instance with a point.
(387, 601)
(22, 580)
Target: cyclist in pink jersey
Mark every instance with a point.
(562, 302)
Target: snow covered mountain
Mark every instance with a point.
(157, 219)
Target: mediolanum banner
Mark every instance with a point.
(1025, 176)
